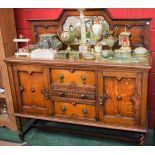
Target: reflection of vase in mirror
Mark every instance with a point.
(77, 35)
(97, 29)
(67, 37)
(73, 22)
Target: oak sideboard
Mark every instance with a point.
(89, 93)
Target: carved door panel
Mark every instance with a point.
(120, 97)
(32, 87)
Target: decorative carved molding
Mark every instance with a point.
(30, 72)
(65, 91)
(72, 70)
(119, 78)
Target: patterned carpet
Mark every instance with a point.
(37, 137)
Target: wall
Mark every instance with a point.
(21, 16)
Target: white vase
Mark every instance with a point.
(97, 30)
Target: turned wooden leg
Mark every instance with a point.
(20, 128)
(141, 139)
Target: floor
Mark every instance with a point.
(5, 143)
(36, 137)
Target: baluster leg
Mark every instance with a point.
(141, 139)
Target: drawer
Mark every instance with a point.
(74, 110)
(73, 76)
(66, 91)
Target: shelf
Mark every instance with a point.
(2, 95)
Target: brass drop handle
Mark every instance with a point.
(85, 111)
(63, 109)
(83, 78)
(61, 77)
(83, 96)
(119, 98)
(32, 90)
(103, 98)
(45, 93)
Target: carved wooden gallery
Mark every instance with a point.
(84, 68)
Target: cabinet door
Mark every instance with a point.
(120, 97)
(32, 89)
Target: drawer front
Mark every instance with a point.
(73, 77)
(82, 93)
(74, 110)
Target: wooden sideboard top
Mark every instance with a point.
(80, 63)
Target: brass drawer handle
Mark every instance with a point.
(63, 109)
(103, 98)
(85, 111)
(61, 77)
(83, 78)
(119, 98)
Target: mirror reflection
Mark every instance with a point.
(72, 23)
